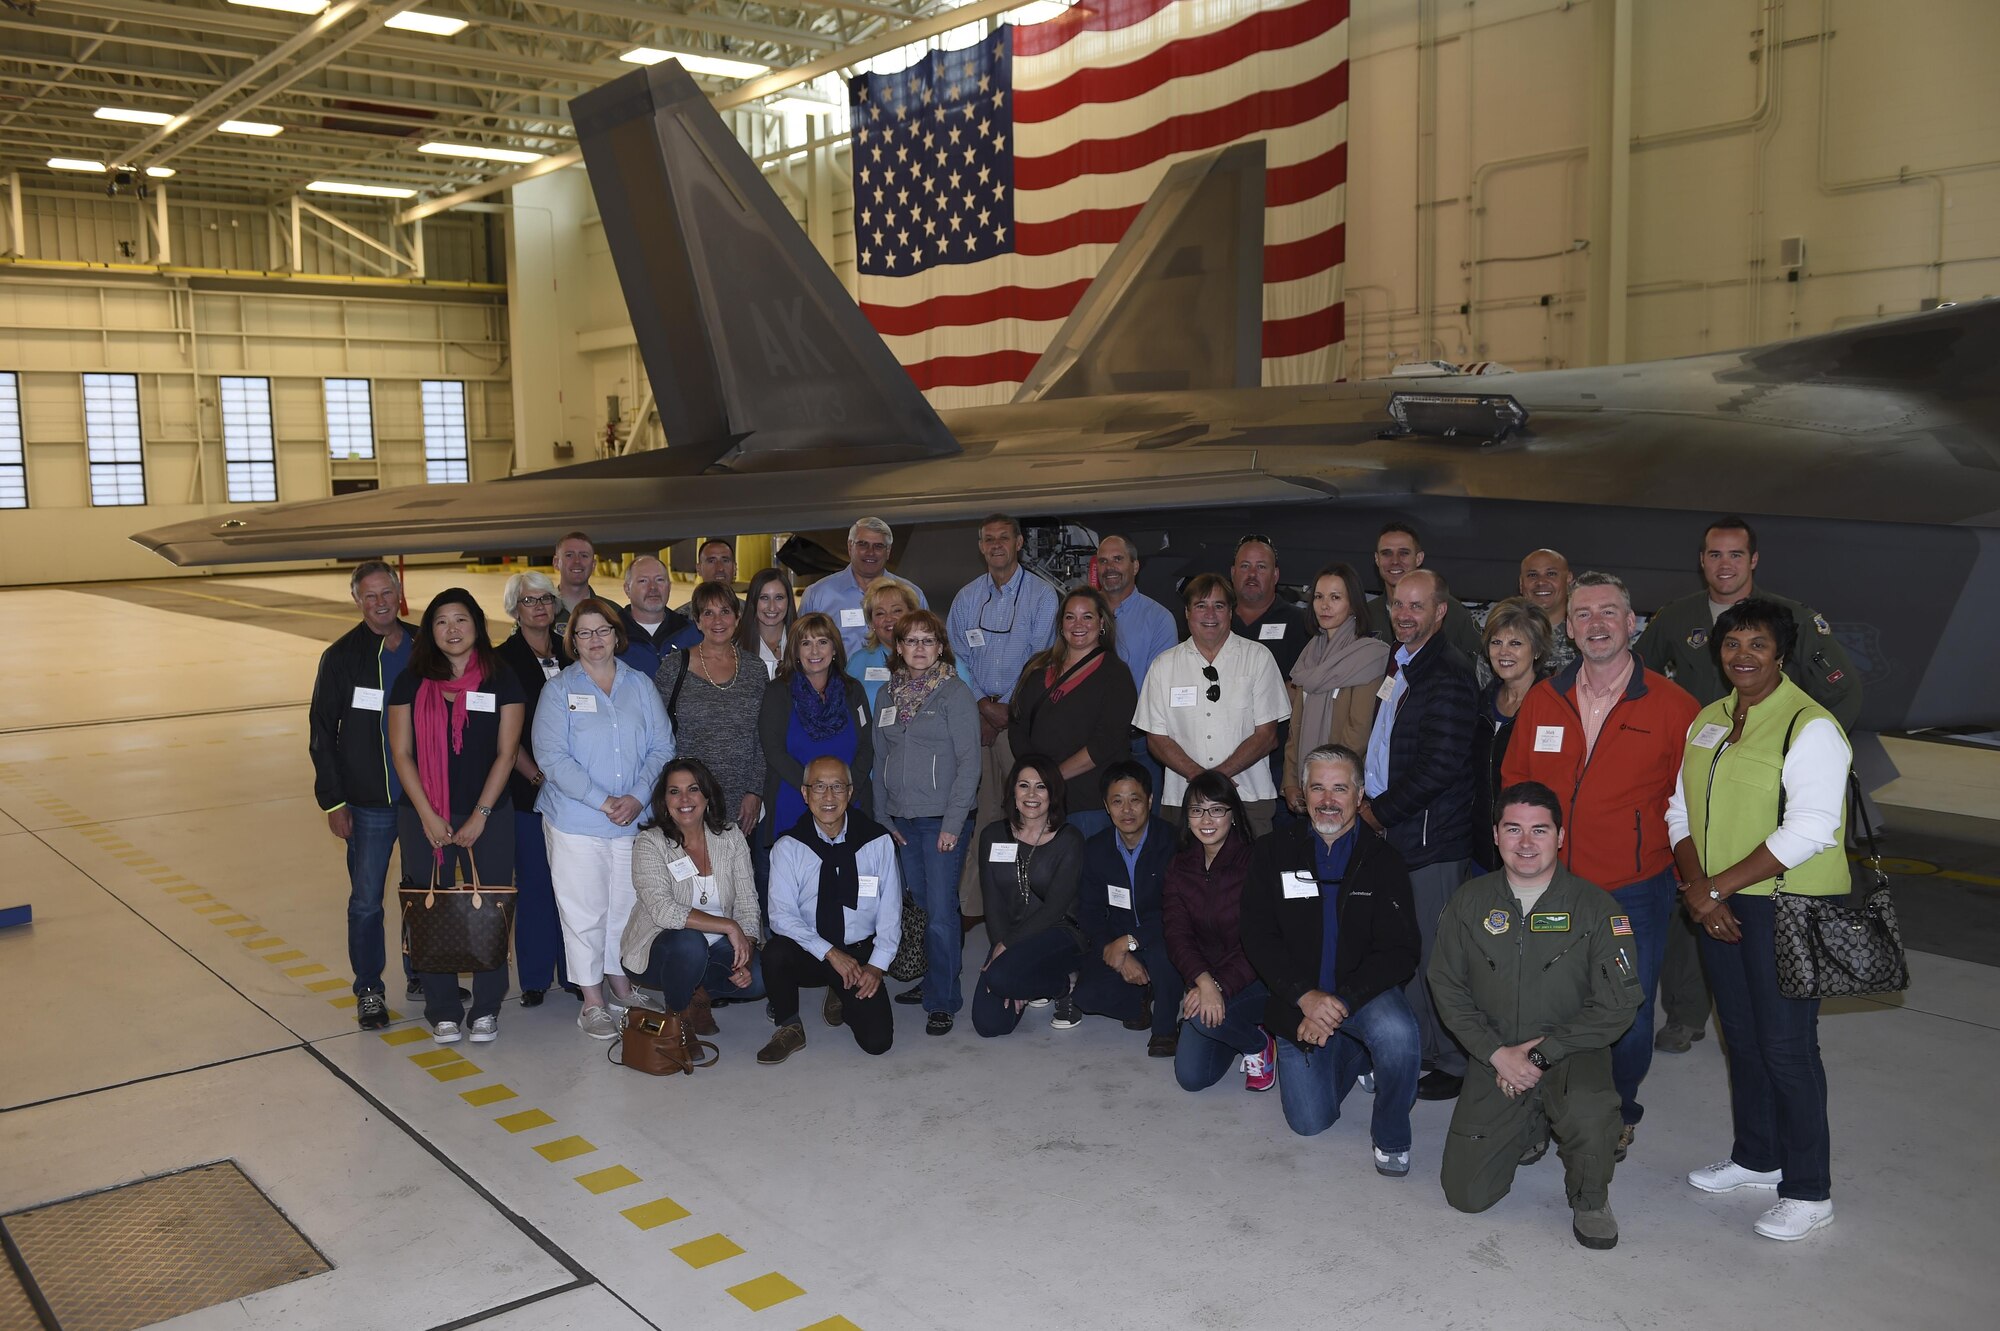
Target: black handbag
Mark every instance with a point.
(457, 930)
(1830, 948)
(910, 963)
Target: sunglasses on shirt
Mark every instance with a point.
(1213, 677)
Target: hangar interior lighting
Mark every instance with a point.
(261, 129)
(287, 6)
(74, 164)
(720, 67)
(357, 188)
(479, 152)
(437, 25)
(127, 115)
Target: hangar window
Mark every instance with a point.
(111, 439)
(13, 466)
(350, 419)
(445, 456)
(249, 458)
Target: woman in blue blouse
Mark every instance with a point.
(814, 709)
(601, 737)
(884, 604)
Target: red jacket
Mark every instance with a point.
(1202, 912)
(1615, 801)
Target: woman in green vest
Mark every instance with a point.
(1759, 808)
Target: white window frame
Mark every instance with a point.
(447, 436)
(249, 443)
(13, 451)
(349, 438)
(114, 440)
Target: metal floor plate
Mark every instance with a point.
(144, 1252)
(16, 1312)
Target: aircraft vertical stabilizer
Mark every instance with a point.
(752, 347)
(1179, 305)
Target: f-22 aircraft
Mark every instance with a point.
(1869, 458)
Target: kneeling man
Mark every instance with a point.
(836, 917)
(1536, 975)
(1329, 924)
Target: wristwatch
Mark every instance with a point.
(484, 811)
(1131, 943)
(1535, 1057)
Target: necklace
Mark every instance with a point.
(1021, 864)
(701, 667)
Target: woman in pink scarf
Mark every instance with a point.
(454, 726)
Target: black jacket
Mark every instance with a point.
(1489, 750)
(350, 762)
(1378, 945)
(1104, 866)
(1427, 805)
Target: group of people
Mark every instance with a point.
(1359, 842)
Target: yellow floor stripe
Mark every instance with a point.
(276, 957)
(601, 1181)
(407, 1035)
(213, 908)
(653, 1214)
(321, 986)
(300, 972)
(524, 1119)
(243, 932)
(431, 1058)
(342, 1000)
(453, 1071)
(765, 1290)
(564, 1148)
(255, 943)
(708, 1251)
(170, 878)
(832, 1324)
(488, 1095)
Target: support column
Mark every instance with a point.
(1610, 181)
(555, 399)
(17, 242)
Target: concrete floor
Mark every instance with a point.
(182, 997)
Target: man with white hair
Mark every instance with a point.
(838, 595)
(650, 628)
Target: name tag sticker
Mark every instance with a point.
(479, 702)
(1182, 695)
(975, 637)
(1299, 883)
(1270, 632)
(888, 717)
(1709, 735)
(583, 702)
(682, 869)
(861, 717)
(871, 886)
(368, 700)
(1121, 897)
(1004, 852)
(1549, 922)
(1387, 689)
(852, 618)
(1548, 739)
(876, 674)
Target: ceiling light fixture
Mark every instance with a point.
(287, 6)
(479, 152)
(75, 164)
(132, 117)
(437, 25)
(159, 172)
(364, 191)
(720, 67)
(257, 127)
(811, 106)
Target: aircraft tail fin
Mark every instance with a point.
(1179, 305)
(752, 347)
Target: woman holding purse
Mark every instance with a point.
(454, 725)
(1760, 805)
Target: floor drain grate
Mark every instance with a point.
(144, 1252)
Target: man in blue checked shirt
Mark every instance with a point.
(1145, 627)
(997, 621)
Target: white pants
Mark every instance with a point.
(593, 882)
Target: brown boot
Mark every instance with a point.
(830, 1010)
(785, 1041)
(700, 1020)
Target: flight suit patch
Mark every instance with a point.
(1825, 630)
(1621, 925)
(1549, 922)
(1496, 922)
(1697, 638)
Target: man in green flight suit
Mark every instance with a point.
(1537, 976)
(1675, 643)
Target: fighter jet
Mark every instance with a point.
(1868, 457)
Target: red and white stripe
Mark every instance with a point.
(1107, 98)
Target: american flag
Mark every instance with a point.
(991, 183)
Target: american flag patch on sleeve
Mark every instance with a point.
(1621, 925)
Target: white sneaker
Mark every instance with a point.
(1728, 1176)
(485, 1030)
(619, 1006)
(1040, 1002)
(1366, 1081)
(597, 1023)
(1395, 1164)
(1792, 1219)
(445, 1032)
(650, 999)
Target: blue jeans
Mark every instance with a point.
(538, 953)
(1205, 1051)
(1103, 991)
(1777, 1084)
(1381, 1037)
(1089, 821)
(368, 846)
(683, 960)
(1038, 966)
(1649, 904)
(930, 878)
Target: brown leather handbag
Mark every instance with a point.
(457, 930)
(659, 1044)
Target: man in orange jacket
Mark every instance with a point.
(1607, 734)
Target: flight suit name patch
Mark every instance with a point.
(1496, 922)
(1549, 922)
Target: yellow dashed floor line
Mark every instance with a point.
(708, 1251)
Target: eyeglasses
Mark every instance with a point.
(1212, 675)
(592, 635)
(1207, 813)
(537, 600)
(829, 787)
(920, 642)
